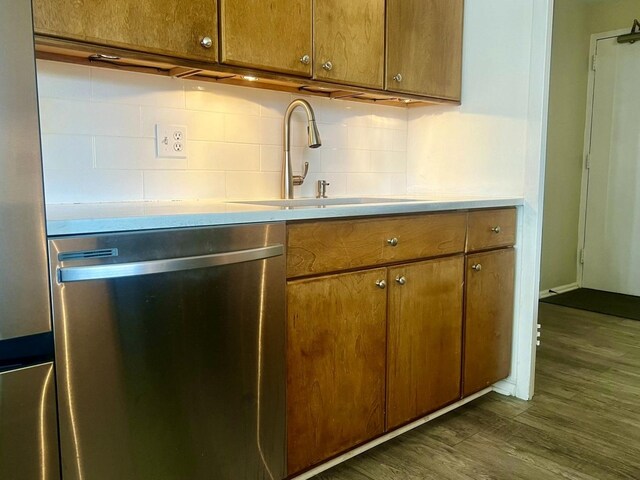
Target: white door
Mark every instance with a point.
(612, 225)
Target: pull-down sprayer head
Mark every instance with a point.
(314, 134)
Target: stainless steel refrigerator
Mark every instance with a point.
(28, 430)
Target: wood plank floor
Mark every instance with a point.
(583, 423)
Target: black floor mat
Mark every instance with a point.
(626, 306)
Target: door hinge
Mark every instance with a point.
(582, 256)
(587, 161)
(594, 60)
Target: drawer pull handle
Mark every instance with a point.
(477, 267)
(401, 280)
(392, 241)
(496, 229)
(381, 284)
(206, 42)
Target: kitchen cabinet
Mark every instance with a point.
(167, 27)
(336, 364)
(362, 342)
(328, 246)
(424, 338)
(424, 47)
(349, 42)
(489, 298)
(272, 35)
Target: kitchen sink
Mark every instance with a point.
(322, 202)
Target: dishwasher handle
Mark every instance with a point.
(133, 269)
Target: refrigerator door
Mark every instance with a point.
(24, 288)
(28, 430)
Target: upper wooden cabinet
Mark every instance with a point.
(167, 27)
(273, 35)
(349, 42)
(424, 47)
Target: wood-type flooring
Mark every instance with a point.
(583, 422)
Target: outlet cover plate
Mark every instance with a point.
(171, 141)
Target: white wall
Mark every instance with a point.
(574, 22)
(479, 147)
(98, 139)
(493, 144)
(567, 107)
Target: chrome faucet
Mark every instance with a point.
(288, 179)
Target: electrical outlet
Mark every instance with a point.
(171, 141)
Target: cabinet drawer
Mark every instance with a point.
(329, 246)
(491, 229)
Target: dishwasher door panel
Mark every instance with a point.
(176, 375)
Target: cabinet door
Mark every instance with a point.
(336, 364)
(167, 27)
(488, 318)
(424, 47)
(273, 35)
(349, 41)
(425, 338)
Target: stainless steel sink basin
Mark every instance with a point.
(322, 202)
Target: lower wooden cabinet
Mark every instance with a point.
(488, 325)
(424, 339)
(376, 348)
(336, 350)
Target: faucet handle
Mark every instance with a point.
(299, 179)
(322, 189)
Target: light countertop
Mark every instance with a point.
(77, 219)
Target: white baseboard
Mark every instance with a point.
(504, 387)
(363, 448)
(560, 289)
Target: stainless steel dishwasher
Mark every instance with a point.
(170, 353)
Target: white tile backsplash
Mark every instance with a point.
(183, 185)
(67, 152)
(98, 139)
(92, 185)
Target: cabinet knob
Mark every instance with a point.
(401, 280)
(392, 241)
(477, 267)
(398, 77)
(327, 66)
(206, 42)
(496, 229)
(381, 284)
(305, 59)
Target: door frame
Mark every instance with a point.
(584, 186)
